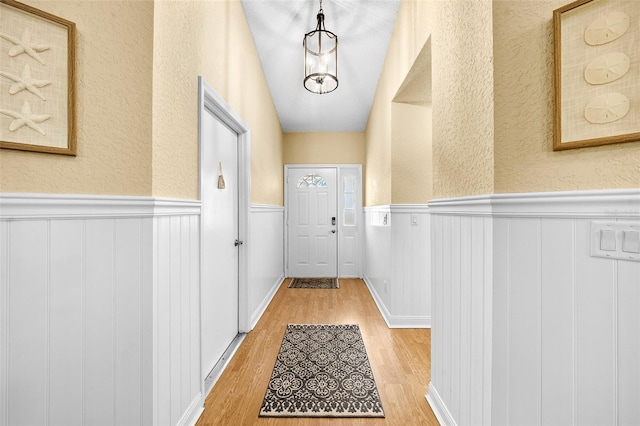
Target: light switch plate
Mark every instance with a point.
(631, 241)
(615, 240)
(608, 239)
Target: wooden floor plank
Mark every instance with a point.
(399, 359)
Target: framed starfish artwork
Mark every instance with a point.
(37, 80)
(596, 73)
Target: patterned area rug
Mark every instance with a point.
(322, 371)
(314, 283)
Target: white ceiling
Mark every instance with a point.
(363, 28)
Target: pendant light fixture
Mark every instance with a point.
(320, 58)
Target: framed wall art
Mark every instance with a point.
(37, 80)
(596, 75)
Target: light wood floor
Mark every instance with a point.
(399, 358)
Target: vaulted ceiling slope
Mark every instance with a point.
(363, 28)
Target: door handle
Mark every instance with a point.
(238, 243)
(333, 231)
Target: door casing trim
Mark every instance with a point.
(210, 102)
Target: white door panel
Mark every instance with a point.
(312, 235)
(220, 230)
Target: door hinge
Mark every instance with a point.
(238, 243)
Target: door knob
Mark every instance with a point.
(333, 231)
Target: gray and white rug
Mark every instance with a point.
(322, 370)
(314, 283)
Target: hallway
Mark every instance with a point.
(399, 358)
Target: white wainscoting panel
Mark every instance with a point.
(266, 253)
(176, 319)
(100, 317)
(461, 316)
(396, 271)
(410, 287)
(560, 340)
(377, 255)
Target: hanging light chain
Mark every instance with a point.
(320, 18)
(320, 27)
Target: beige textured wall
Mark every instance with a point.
(411, 161)
(463, 124)
(324, 148)
(492, 67)
(113, 64)
(377, 173)
(524, 158)
(137, 100)
(209, 38)
(410, 33)
(461, 150)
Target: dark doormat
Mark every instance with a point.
(314, 283)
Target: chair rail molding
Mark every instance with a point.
(620, 203)
(24, 206)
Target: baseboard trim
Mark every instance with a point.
(378, 300)
(255, 317)
(439, 408)
(396, 321)
(193, 413)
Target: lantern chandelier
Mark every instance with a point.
(320, 58)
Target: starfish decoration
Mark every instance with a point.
(25, 45)
(25, 118)
(25, 82)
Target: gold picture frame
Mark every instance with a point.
(37, 80)
(596, 73)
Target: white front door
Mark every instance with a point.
(219, 291)
(312, 222)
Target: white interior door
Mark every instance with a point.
(312, 222)
(219, 281)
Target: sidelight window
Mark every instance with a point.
(349, 201)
